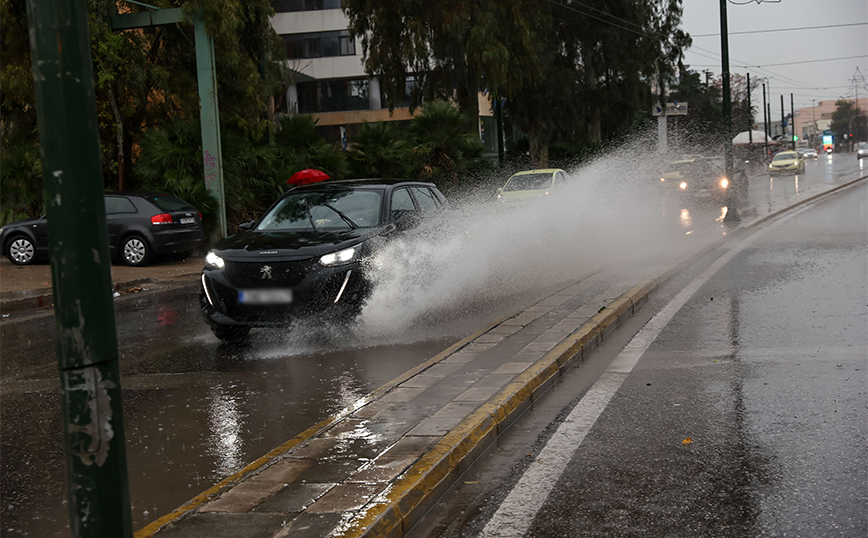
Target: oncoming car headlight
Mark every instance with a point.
(340, 257)
(724, 183)
(683, 185)
(213, 261)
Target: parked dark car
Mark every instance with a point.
(306, 255)
(140, 226)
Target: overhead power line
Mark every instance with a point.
(807, 61)
(784, 29)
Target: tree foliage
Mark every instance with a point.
(144, 76)
(572, 72)
(842, 118)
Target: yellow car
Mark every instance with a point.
(530, 185)
(787, 162)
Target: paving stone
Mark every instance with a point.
(402, 394)
(423, 381)
(294, 498)
(460, 358)
(243, 497)
(457, 409)
(442, 369)
(309, 525)
(512, 368)
(476, 394)
(329, 472)
(346, 428)
(226, 526)
(409, 446)
(383, 470)
(435, 426)
(540, 346)
(371, 410)
(285, 471)
(494, 380)
(344, 498)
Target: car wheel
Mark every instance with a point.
(231, 333)
(135, 251)
(21, 251)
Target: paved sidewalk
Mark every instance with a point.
(24, 288)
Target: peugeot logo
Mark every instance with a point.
(266, 272)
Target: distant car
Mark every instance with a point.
(861, 150)
(807, 153)
(787, 162)
(307, 255)
(531, 184)
(699, 176)
(140, 226)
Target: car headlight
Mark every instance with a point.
(213, 261)
(340, 257)
(683, 185)
(724, 183)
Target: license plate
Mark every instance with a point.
(187, 220)
(271, 296)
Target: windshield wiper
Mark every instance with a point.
(309, 215)
(352, 224)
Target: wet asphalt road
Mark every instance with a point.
(197, 411)
(746, 416)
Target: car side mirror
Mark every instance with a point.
(247, 226)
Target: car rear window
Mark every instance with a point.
(167, 202)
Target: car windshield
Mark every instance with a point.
(325, 210)
(528, 182)
(784, 157)
(167, 202)
(862, 145)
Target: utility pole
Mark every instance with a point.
(765, 126)
(749, 114)
(731, 213)
(793, 121)
(87, 350)
(783, 120)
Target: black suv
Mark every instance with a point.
(140, 225)
(305, 256)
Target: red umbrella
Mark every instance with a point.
(307, 176)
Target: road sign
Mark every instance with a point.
(676, 108)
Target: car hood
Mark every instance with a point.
(23, 223)
(286, 246)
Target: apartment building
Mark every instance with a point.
(329, 80)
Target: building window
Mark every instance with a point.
(319, 45)
(411, 86)
(291, 6)
(332, 95)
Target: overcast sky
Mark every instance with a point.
(829, 79)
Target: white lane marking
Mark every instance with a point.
(515, 515)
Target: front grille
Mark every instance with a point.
(256, 274)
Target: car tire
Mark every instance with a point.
(135, 251)
(231, 334)
(21, 250)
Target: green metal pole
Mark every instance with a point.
(90, 388)
(212, 152)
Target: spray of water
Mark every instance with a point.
(480, 254)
